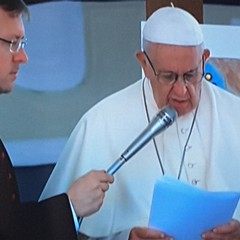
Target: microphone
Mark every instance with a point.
(160, 122)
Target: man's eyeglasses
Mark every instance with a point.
(169, 78)
(15, 45)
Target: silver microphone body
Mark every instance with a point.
(160, 122)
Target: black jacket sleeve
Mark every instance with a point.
(50, 219)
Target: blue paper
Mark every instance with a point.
(186, 212)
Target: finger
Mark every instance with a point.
(227, 228)
(106, 177)
(146, 233)
(104, 187)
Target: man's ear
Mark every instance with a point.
(206, 54)
(142, 61)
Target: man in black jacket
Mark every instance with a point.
(54, 218)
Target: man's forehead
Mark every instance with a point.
(10, 25)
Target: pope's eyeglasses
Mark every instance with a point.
(169, 78)
(15, 45)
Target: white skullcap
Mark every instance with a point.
(173, 26)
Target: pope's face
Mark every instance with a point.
(161, 63)
(11, 28)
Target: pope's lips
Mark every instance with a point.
(179, 102)
(179, 105)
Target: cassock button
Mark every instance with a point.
(9, 176)
(2, 156)
(13, 197)
(191, 165)
(184, 130)
(195, 181)
(188, 147)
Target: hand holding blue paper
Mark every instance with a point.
(185, 212)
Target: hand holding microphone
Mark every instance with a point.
(163, 120)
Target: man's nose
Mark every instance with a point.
(21, 56)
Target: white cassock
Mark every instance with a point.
(211, 162)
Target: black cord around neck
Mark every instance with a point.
(154, 140)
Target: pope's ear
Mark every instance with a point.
(206, 54)
(142, 60)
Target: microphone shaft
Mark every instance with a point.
(162, 121)
(156, 126)
(116, 165)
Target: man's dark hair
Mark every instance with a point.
(14, 7)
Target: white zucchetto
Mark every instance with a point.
(173, 26)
